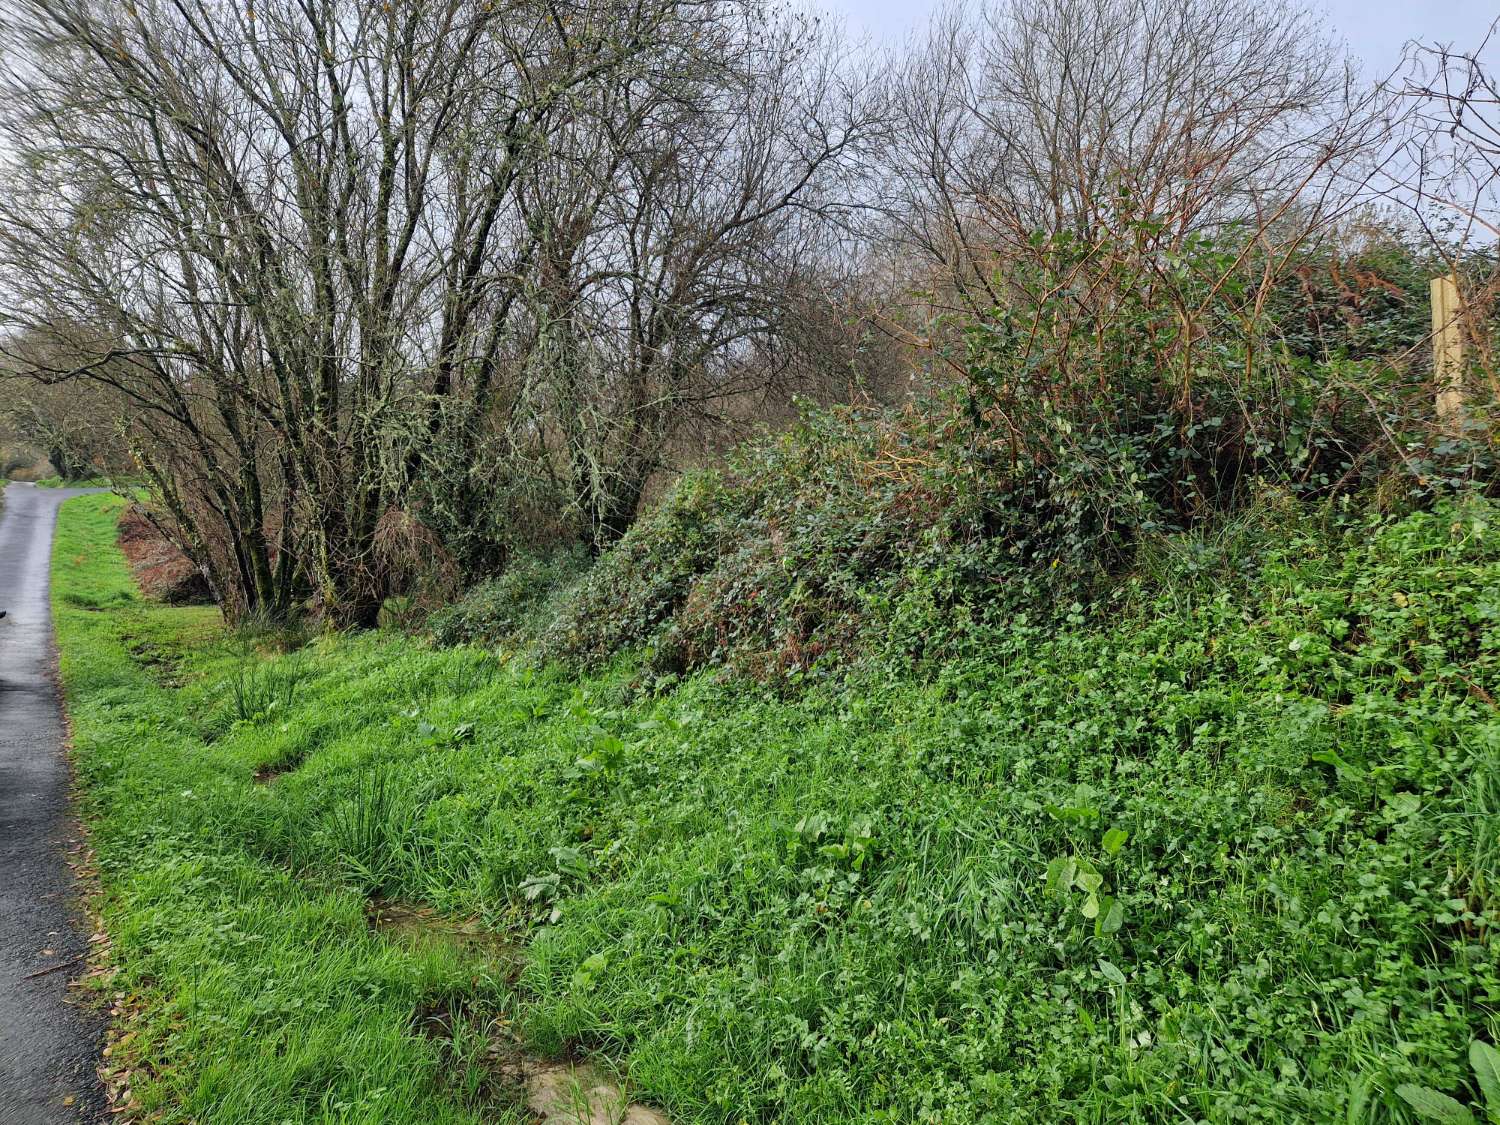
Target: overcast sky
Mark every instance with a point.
(1376, 30)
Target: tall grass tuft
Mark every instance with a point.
(262, 688)
(369, 830)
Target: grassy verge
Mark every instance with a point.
(1226, 852)
(252, 993)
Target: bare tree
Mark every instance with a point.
(1074, 120)
(691, 223)
(301, 221)
(1443, 171)
(78, 427)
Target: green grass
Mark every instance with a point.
(1224, 848)
(259, 994)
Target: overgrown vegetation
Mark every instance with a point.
(1102, 720)
(1222, 846)
(512, 607)
(895, 531)
(805, 547)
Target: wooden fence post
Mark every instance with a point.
(1447, 350)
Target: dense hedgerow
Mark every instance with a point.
(891, 532)
(806, 548)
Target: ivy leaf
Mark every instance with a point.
(1404, 804)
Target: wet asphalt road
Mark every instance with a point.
(49, 1048)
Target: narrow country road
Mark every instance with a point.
(48, 1047)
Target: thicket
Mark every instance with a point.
(890, 532)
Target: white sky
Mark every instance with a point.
(1375, 30)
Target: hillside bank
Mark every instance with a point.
(1225, 848)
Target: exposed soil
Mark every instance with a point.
(557, 1092)
(265, 775)
(573, 1094)
(288, 763)
(162, 572)
(566, 1092)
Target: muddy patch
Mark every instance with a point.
(483, 1053)
(266, 774)
(568, 1092)
(574, 1094)
(421, 925)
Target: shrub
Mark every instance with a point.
(894, 533)
(859, 529)
(509, 605)
(1152, 382)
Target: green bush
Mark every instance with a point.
(857, 531)
(1148, 382)
(510, 605)
(890, 533)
